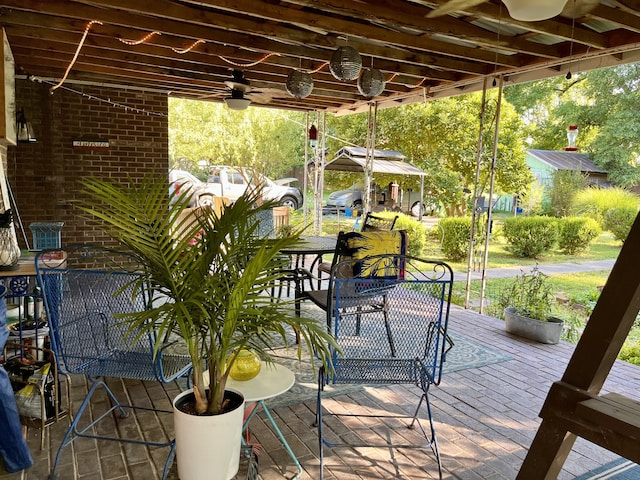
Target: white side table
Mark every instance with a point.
(273, 380)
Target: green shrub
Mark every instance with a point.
(575, 234)
(619, 220)
(457, 231)
(416, 232)
(530, 236)
(630, 353)
(566, 184)
(594, 202)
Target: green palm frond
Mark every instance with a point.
(213, 273)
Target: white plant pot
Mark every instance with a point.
(207, 447)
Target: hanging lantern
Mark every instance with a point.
(345, 63)
(572, 135)
(9, 249)
(313, 136)
(299, 84)
(371, 82)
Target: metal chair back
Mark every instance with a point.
(377, 223)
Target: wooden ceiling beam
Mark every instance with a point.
(167, 11)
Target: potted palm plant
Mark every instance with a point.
(528, 304)
(211, 276)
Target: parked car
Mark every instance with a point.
(351, 197)
(231, 182)
(201, 192)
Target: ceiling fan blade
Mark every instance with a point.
(453, 6)
(578, 8)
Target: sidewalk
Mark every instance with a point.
(549, 269)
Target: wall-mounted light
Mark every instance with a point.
(313, 136)
(24, 129)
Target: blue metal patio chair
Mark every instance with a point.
(84, 290)
(353, 247)
(417, 296)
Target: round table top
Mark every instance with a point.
(273, 380)
(318, 244)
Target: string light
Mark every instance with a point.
(188, 49)
(142, 40)
(75, 57)
(245, 65)
(419, 84)
(310, 72)
(108, 100)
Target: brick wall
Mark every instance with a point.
(44, 175)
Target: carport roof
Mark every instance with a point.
(353, 159)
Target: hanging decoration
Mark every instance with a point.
(299, 84)
(313, 136)
(572, 136)
(371, 82)
(345, 63)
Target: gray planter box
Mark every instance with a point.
(543, 332)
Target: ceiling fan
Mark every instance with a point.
(525, 10)
(242, 93)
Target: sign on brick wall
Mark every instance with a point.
(91, 144)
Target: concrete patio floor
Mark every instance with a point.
(485, 417)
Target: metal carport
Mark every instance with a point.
(354, 159)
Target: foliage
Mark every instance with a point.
(441, 137)
(566, 183)
(214, 271)
(575, 234)
(530, 294)
(594, 202)
(530, 236)
(531, 200)
(601, 102)
(456, 234)
(630, 353)
(270, 141)
(416, 232)
(619, 220)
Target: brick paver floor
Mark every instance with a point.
(486, 419)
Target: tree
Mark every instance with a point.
(601, 102)
(441, 138)
(271, 141)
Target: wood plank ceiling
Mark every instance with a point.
(190, 47)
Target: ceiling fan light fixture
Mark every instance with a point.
(528, 11)
(237, 103)
(299, 84)
(371, 82)
(345, 63)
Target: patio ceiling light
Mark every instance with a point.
(528, 11)
(345, 63)
(299, 84)
(237, 101)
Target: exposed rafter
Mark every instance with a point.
(198, 43)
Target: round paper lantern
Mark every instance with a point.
(345, 63)
(299, 84)
(371, 82)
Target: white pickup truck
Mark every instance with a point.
(231, 182)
